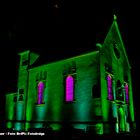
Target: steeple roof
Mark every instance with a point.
(114, 35)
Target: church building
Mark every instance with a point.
(91, 91)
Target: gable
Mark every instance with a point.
(114, 44)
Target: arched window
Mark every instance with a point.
(40, 92)
(120, 91)
(126, 92)
(109, 86)
(69, 88)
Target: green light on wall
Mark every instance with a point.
(99, 128)
(55, 126)
(82, 111)
(29, 111)
(80, 126)
(40, 112)
(56, 109)
(104, 101)
(10, 110)
(19, 116)
(9, 125)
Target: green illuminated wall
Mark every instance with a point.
(14, 112)
(54, 107)
(10, 110)
(120, 69)
(91, 107)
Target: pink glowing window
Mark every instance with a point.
(69, 88)
(109, 86)
(126, 92)
(40, 92)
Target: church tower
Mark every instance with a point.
(26, 59)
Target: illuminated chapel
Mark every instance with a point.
(91, 91)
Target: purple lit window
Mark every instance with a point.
(127, 92)
(40, 92)
(109, 86)
(69, 88)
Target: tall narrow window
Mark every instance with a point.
(109, 86)
(69, 88)
(40, 92)
(120, 91)
(126, 92)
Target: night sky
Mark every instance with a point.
(58, 28)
